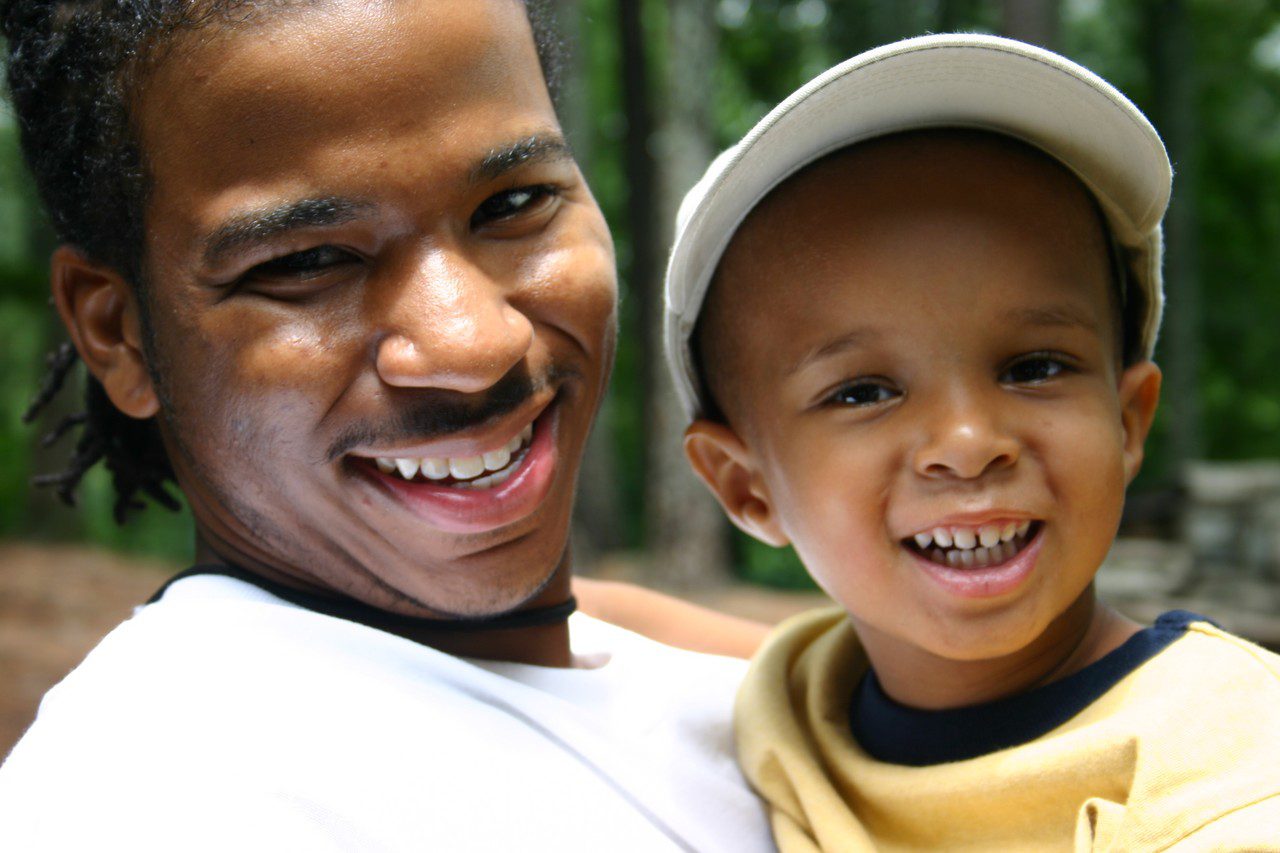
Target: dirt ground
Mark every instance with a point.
(56, 602)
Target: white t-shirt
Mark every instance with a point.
(224, 718)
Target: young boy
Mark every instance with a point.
(912, 314)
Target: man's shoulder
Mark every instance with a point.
(267, 708)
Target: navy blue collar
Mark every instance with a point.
(900, 735)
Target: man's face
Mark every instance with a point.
(367, 246)
(923, 353)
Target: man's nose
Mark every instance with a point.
(450, 326)
(965, 439)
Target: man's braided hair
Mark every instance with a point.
(73, 69)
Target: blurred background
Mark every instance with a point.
(651, 90)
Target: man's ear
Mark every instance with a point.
(1139, 394)
(100, 311)
(721, 460)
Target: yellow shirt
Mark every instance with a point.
(1181, 752)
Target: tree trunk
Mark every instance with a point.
(1033, 21)
(1171, 54)
(685, 530)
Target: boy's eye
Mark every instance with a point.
(1034, 369)
(864, 393)
(512, 203)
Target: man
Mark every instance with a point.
(332, 266)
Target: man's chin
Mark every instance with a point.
(473, 604)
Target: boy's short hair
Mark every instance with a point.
(943, 81)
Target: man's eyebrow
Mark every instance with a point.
(257, 226)
(535, 148)
(849, 340)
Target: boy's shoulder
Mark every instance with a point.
(1203, 667)
(1203, 720)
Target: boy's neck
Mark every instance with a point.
(911, 676)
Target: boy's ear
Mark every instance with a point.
(100, 311)
(720, 458)
(1139, 394)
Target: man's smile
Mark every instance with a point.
(484, 471)
(472, 485)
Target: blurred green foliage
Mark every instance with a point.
(766, 49)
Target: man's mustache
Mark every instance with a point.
(436, 414)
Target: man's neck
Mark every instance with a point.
(912, 676)
(540, 643)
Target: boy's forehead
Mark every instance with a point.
(897, 208)
(951, 178)
(938, 167)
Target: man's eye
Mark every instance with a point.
(864, 394)
(1033, 370)
(309, 263)
(511, 203)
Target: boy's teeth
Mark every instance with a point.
(385, 465)
(966, 547)
(407, 467)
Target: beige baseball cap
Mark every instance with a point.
(962, 81)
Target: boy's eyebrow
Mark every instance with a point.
(260, 225)
(1055, 315)
(849, 340)
(536, 148)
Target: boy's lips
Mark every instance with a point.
(978, 561)
(478, 491)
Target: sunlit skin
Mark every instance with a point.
(918, 332)
(363, 226)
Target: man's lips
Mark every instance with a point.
(483, 501)
(489, 437)
(483, 470)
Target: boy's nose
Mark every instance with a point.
(451, 326)
(965, 442)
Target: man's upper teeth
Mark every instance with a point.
(459, 467)
(466, 467)
(968, 538)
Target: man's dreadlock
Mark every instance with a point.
(72, 66)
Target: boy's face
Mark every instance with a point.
(917, 335)
(367, 241)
